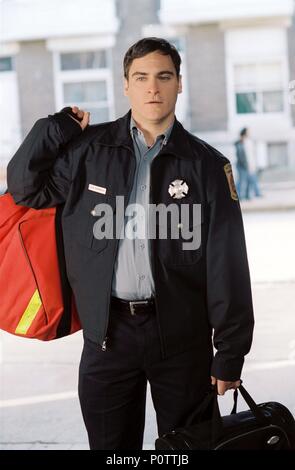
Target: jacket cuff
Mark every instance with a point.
(68, 126)
(228, 370)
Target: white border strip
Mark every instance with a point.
(269, 365)
(38, 399)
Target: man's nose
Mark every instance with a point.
(153, 87)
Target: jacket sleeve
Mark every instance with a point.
(229, 297)
(39, 173)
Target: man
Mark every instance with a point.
(242, 166)
(147, 306)
(247, 166)
(249, 146)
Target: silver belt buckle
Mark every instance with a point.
(133, 303)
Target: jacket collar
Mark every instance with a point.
(118, 134)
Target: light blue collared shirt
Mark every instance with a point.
(133, 279)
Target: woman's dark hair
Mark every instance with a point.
(243, 131)
(145, 46)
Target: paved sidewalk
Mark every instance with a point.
(39, 406)
(275, 197)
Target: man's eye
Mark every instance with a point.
(167, 77)
(140, 79)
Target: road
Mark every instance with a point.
(39, 408)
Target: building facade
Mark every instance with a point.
(238, 64)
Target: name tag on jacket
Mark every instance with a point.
(97, 189)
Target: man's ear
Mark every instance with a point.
(180, 84)
(126, 86)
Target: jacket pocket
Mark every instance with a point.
(182, 245)
(100, 218)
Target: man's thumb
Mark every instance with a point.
(85, 120)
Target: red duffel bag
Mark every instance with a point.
(36, 300)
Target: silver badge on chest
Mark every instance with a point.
(178, 189)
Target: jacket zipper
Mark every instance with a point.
(104, 343)
(153, 266)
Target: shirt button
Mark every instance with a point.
(142, 277)
(142, 245)
(143, 187)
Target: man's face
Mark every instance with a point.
(152, 86)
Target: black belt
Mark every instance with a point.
(133, 307)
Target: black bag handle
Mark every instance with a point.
(234, 410)
(217, 426)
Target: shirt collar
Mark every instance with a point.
(165, 134)
(117, 133)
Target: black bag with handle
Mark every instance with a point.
(265, 426)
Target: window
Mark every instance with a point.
(246, 102)
(272, 101)
(277, 154)
(85, 91)
(84, 60)
(84, 79)
(91, 96)
(259, 88)
(6, 64)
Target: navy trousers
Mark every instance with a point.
(112, 383)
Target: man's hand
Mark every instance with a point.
(81, 114)
(223, 386)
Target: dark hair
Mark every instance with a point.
(243, 131)
(145, 46)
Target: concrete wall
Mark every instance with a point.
(34, 69)
(207, 84)
(133, 15)
(291, 51)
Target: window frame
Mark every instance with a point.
(12, 63)
(259, 90)
(280, 165)
(84, 75)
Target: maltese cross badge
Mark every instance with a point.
(178, 189)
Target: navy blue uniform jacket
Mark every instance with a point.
(200, 294)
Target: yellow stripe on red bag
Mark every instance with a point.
(29, 314)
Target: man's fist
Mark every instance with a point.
(82, 115)
(223, 386)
